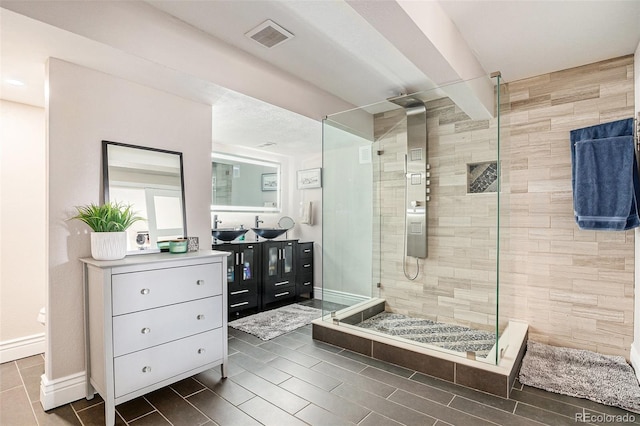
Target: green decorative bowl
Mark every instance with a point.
(178, 246)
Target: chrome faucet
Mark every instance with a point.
(216, 221)
(258, 222)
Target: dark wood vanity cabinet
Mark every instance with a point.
(278, 271)
(243, 276)
(264, 274)
(304, 268)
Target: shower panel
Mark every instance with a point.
(417, 175)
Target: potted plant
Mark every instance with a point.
(109, 222)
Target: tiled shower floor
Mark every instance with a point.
(292, 380)
(452, 337)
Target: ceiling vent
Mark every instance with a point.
(269, 34)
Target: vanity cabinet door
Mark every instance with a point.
(279, 261)
(288, 261)
(243, 276)
(248, 264)
(279, 269)
(272, 260)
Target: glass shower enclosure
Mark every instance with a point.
(414, 206)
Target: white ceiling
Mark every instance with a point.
(336, 50)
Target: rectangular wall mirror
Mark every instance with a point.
(244, 184)
(152, 182)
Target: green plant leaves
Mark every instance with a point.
(109, 217)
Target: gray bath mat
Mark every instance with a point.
(584, 374)
(269, 324)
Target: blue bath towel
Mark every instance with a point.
(604, 193)
(601, 196)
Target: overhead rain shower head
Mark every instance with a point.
(406, 101)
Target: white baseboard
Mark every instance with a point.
(336, 296)
(54, 393)
(635, 358)
(22, 347)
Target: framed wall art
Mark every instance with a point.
(310, 178)
(270, 182)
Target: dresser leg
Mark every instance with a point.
(89, 390)
(109, 412)
(109, 416)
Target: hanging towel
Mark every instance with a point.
(604, 176)
(603, 191)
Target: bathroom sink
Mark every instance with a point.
(269, 233)
(227, 234)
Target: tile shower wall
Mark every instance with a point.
(457, 281)
(573, 287)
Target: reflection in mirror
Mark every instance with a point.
(151, 181)
(244, 184)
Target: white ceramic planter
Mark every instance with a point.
(108, 245)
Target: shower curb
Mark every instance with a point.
(494, 379)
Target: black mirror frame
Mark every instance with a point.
(105, 174)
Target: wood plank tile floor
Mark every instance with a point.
(293, 380)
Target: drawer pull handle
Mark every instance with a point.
(145, 330)
(235, 305)
(200, 282)
(307, 250)
(308, 265)
(233, 293)
(307, 283)
(200, 317)
(145, 291)
(281, 283)
(146, 369)
(282, 294)
(201, 351)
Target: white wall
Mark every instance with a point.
(312, 232)
(22, 227)
(83, 108)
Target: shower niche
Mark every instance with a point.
(482, 178)
(411, 261)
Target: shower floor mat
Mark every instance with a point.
(447, 336)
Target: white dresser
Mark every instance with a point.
(151, 320)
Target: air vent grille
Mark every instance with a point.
(269, 34)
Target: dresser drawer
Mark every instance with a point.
(144, 368)
(137, 291)
(152, 327)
